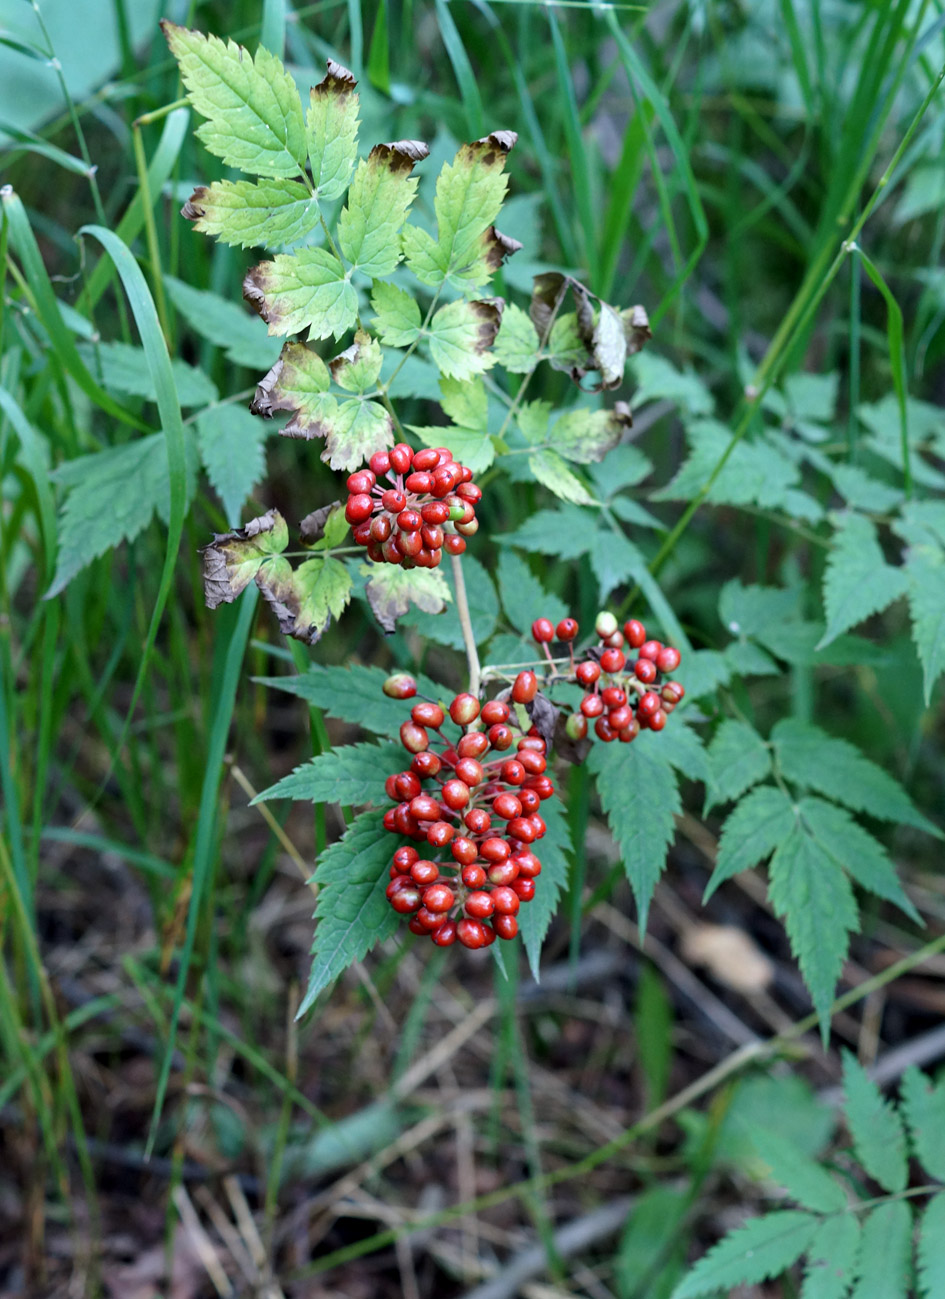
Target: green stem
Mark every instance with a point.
(465, 622)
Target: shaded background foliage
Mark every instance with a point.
(704, 159)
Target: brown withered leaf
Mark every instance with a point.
(233, 559)
(312, 527)
(544, 716)
(608, 336)
(636, 324)
(400, 155)
(391, 590)
(337, 82)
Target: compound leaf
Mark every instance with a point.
(304, 290)
(883, 1263)
(332, 122)
(378, 201)
(739, 758)
(878, 1135)
(352, 913)
(248, 214)
(802, 1177)
(460, 336)
(923, 1104)
(857, 581)
(752, 832)
(856, 851)
(298, 382)
(640, 796)
(352, 774)
(391, 590)
(254, 117)
(232, 448)
(762, 1248)
(306, 599)
(831, 1259)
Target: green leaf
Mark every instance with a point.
(683, 749)
(653, 1233)
(553, 850)
(471, 447)
(354, 694)
(738, 758)
(640, 797)
(332, 122)
(232, 448)
(324, 528)
(856, 851)
(233, 559)
(352, 774)
(523, 596)
(469, 195)
(397, 318)
(819, 913)
(483, 608)
(925, 572)
(124, 368)
(857, 581)
(747, 610)
(659, 380)
(878, 1135)
(587, 435)
(614, 559)
(516, 344)
(254, 117)
(762, 1248)
(465, 402)
(809, 756)
(552, 472)
(533, 418)
(298, 382)
(923, 1103)
(304, 290)
(306, 599)
(356, 369)
(863, 492)
(100, 511)
(883, 1264)
(831, 1259)
(391, 590)
(246, 214)
(566, 348)
(352, 912)
(243, 337)
(930, 1254)
(378, 201)
(460, 336)
(803, 1178)
(758, 824)
(626, 466)
(561, 532)
(706, 670)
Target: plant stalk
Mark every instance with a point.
(469, 639)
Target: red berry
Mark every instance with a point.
(612, 660)
(404, 858)
(522, 829)
(435, 512)
(566, 629)
(629, 733)
(613, 696)
(529, 798)
(438, 897)
(648, 705)
(362, 532)
(512, 772)
(424, 808)
(428, 920)
(592, 705)
(411, 543)
(414, 738)
(427, 714)
(668, 659)
(503, 872)
(393, 501)
(532, 742)
(525, 687)
(603, 730)
(416, 925)
(500, 737)
(406, 786)
(454, 545)
(391, 551)
(468, 491)
(445, 936)
(534, 763)
(524, 888)
(620, 717)
(409, 521)
(425, 459)
(543, 630)
(616, 641)
(380, 462)
(406, 900)
(419, 482)
(505, 926)
(432, 536)
(390, 788)
(651, 650)
(470, 771)
(672, 692)
(494, 850)
(455, 794)
(587, 672)
(506, 900)
(464, 709)
(645, 671)
(426, 764)
(439, 834)
(528, 864)
(478, 820)
(471, 933)
(473, 745)
(538, 824)
(480, 905)
(380, 528)
(425, 872)
(506, 806)
(473, 876)
(657, 720)
(464, 851)
(401, 457)
(359, 508)
(542, 786)
(494, 712)
(635, 633)
(390, 822)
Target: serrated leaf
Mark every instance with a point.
(225, 324)
(706, 670)
(298, 382)
(878, 1135)
(355, 431)
(523, 596)
(471, 447)
(356, 369)
(460, 336)
(391, 590)
(863, 492)
(552, 472)
(831, 1259)
(752, 832)
(248, 214)
(397, 318)
(352, 913)
(254, 117)
(658, 379)
(809, 756)
(378, 201)
(307, 598)
(683, 749)
(585, 436)
(516, 344)
(100, 511)
(351, 774)
(738, 758)
(483, 608)
(640, 797)
(857, 581)
(625, 466)
(614, 560)
(124, 368)
(925, 572)
(332, 122)
(923, 1104)
(562, 532)
(534, 920)
(803, 1178)
(232, 448)
(747, 610)
(532, 419)
(883, 1264)
(762, 1248)
(930, 1254)
(750, 660)
(233, 559)
(816, 903)
(565, 348)
(304, 290)
(856, 851)
(354, 694)
(469, 195)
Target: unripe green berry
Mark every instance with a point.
(605, 624)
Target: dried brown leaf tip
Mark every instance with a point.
(339, 81)
(312, 527)
(400, 155)
(192, 211)
(488, 314)
(233, 559)
(498, 247)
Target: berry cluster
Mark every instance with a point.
(482, 811)
(428, 507)
(623, 697)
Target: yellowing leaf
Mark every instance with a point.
(378, 200)
(305, 290)
(333, 131)
(245, 213)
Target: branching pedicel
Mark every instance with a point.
(473, 800)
